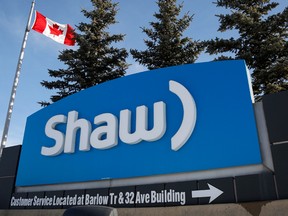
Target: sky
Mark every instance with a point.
(41, 52)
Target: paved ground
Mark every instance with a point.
(267, 208)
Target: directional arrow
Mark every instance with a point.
(212, 192)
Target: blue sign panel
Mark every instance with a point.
(172, 120)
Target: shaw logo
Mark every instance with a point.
(106, 135)
(141, 126)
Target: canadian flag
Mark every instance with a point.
(62, 33)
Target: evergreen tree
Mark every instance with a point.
(262, 42)
(166, 45)
(96, 60)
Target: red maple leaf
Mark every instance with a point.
(54, 30)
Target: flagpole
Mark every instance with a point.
(16, 80)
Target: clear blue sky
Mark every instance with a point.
(41, 52)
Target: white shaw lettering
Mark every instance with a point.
(105, 136)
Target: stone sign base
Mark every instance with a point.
(265, 208)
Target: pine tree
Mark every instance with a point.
(262, 42)
(96, 60)
(166, 45)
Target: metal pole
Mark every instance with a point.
(16, 80)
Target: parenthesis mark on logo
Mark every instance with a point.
(189, 115)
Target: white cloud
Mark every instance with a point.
(136, 68)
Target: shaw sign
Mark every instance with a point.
(66, 142)
(167, 121)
